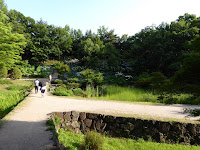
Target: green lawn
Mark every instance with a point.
(11, 93)
(74, 141)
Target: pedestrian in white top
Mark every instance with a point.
(50, 78)
(36, 82)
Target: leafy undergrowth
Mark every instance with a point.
(11, 93)
(74, 141)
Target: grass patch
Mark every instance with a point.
(140, 95)
(74, 141)
(128, 94)
(16, 87)
(70, 140)
(5, 81)
(11, 95)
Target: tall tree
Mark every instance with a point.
(11, 43)
(107, 36)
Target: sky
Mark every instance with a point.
(124, 16)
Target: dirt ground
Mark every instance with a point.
(25, 127)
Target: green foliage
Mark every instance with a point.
(188, 77)
(110, 57)
(3, 72)
(155, 81)
(70, 139)
(58, 81)
(144, 75)
(62, 68)
(90, 91)
(61, 91)
(51, 62)
(42, 71)
(26, 69)
(93, 141)
(71, 80)
(74, 141)
(49, 122)
(15, 73)
(11, 43)
(193, 112)
(16, 87)
(72, 83)
(190, 71)
(9, 98)
(78, 92)
(127, 94)
(92, 77)
(5, 81)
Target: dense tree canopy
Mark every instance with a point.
(166, 48)
(11, 42)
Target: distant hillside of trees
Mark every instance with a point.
(165, 48)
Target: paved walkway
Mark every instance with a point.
(25, 128)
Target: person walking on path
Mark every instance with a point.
(36, 82)
(50, 78)
(43, 88)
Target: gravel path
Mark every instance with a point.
(25, 128)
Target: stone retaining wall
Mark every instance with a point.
(159, 131)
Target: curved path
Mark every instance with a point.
(25, 127)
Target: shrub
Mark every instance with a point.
(61, 91)
(144, 75)
(72, 83)
(26, 69)
(58, 81)
(15, 73)
(156, 81)
(71, 80)
(78, 92)
(92, 77)
(94, 141)
(3, 72)
(62, 68)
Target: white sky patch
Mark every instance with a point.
(153, 12)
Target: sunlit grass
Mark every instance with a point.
(141, 95)
(12, 94)
(74, 141)
(128, 94)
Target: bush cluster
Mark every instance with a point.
(16, 73)
(91, 77)
(156, 81)
(3, 72)
(94, 141)
(62, 91)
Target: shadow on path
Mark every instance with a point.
(14, 137)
